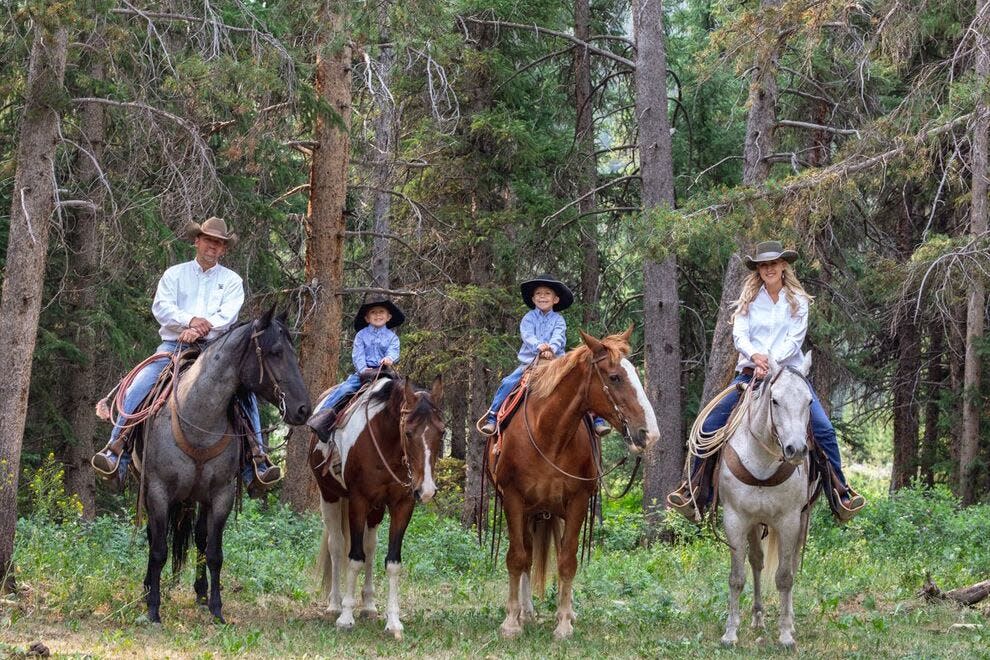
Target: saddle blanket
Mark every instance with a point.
(359, 412)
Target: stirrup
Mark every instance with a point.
(272, 475)
(684, 504)
(103, 467)
(846, 512)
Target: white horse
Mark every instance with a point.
(763, 480)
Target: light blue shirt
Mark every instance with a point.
(372, 345)
(538, 328)
(770, 328)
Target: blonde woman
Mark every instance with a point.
(770, 319)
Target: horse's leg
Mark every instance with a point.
(567, 566)
(357, 510)
(736, 531)
(516, 561)
(756, 565)
(526, 610)
(336, 551)
(201, 584)
(368, 607)
(156, 503)
(789, 533)
(217, 512)
(399, 516)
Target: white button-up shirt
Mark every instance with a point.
(186, 290)
(771, 329)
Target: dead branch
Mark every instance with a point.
(591, 192)
(818, 127)
(968, 596)
(553, 33)
(384, 292)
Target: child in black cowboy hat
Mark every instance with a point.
(544, 334)
(375, 347)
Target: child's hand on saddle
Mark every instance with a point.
(546, 354)
(386, 362)
(544, 347)
(103, 410)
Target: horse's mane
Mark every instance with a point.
(547, 376)
(424, 407)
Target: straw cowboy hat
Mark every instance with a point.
(565, 295)
(212, 226)
(769, 251)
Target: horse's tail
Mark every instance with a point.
(180, 532)
(546, 532)
(771, 559)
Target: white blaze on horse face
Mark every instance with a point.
(651, 417)
(428, 489)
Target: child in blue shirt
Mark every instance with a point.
(544, 334)
(375, 347)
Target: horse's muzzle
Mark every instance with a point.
(424, 496)
(795, 455)
(640, 439)
(299, 415)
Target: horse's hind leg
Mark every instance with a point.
(736, 531)
(157, 505)
(334, 563)
(527, 612)
(357, 514)
(756, 565)
(789, 535)
(567, 565)
(368, 607)
(201, 585)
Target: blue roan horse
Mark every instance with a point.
(192, 457)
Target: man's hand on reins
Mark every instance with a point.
(189, 336)
(200, 325)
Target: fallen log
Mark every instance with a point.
(970, 595)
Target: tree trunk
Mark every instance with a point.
(319, 350)
(936, 381)
(83, 237)
(585, 168)
(758, 144)
(661, 313)
(456, 396)
(384, 155)
(976, 301)
(27, 248)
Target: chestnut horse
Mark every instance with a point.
(546, 470)
(399, 437)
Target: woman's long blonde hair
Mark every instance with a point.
(751, 286)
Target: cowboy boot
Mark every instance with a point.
(601, 427)
(850, 503)
(106, 462)
(685, 502)
(489, 426)
(323, 423)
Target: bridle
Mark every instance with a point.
(404, 412)
(766, 389)
(611, 398)
(276, 387)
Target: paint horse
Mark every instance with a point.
(763, 481)
(191, 457)
(399, 434)
(545, 468)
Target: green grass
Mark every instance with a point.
(80, 591)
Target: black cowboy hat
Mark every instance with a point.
(565, 295)
(398, 318)
(769, 251)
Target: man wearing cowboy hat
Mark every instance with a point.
(195, 301)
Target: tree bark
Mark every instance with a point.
(319, 351)
(936, 381)
(385, 125)
(456, 396)
(661, 312)
(976, 300)
(83, 236)
(758, 144)
(585, 167)
(905, 463)
(27, 247)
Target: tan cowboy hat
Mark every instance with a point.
(769, 251)
(212, 226)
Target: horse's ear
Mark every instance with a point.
(283, 318)
(265, 320)
(627, 334)
(806, 367)
(408, 392)
(436, 392)
(591, 342)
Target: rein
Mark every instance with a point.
(403, 411)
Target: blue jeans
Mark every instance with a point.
(350, 385)
(508, 384)
(821, 426)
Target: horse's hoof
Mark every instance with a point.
(395, 631)
(728, 642)
(789, 645)
(510, 632)
(218, 619)
(345, 621)
(563, 632)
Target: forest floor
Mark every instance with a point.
(856, 597)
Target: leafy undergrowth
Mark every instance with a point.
(79, 590)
